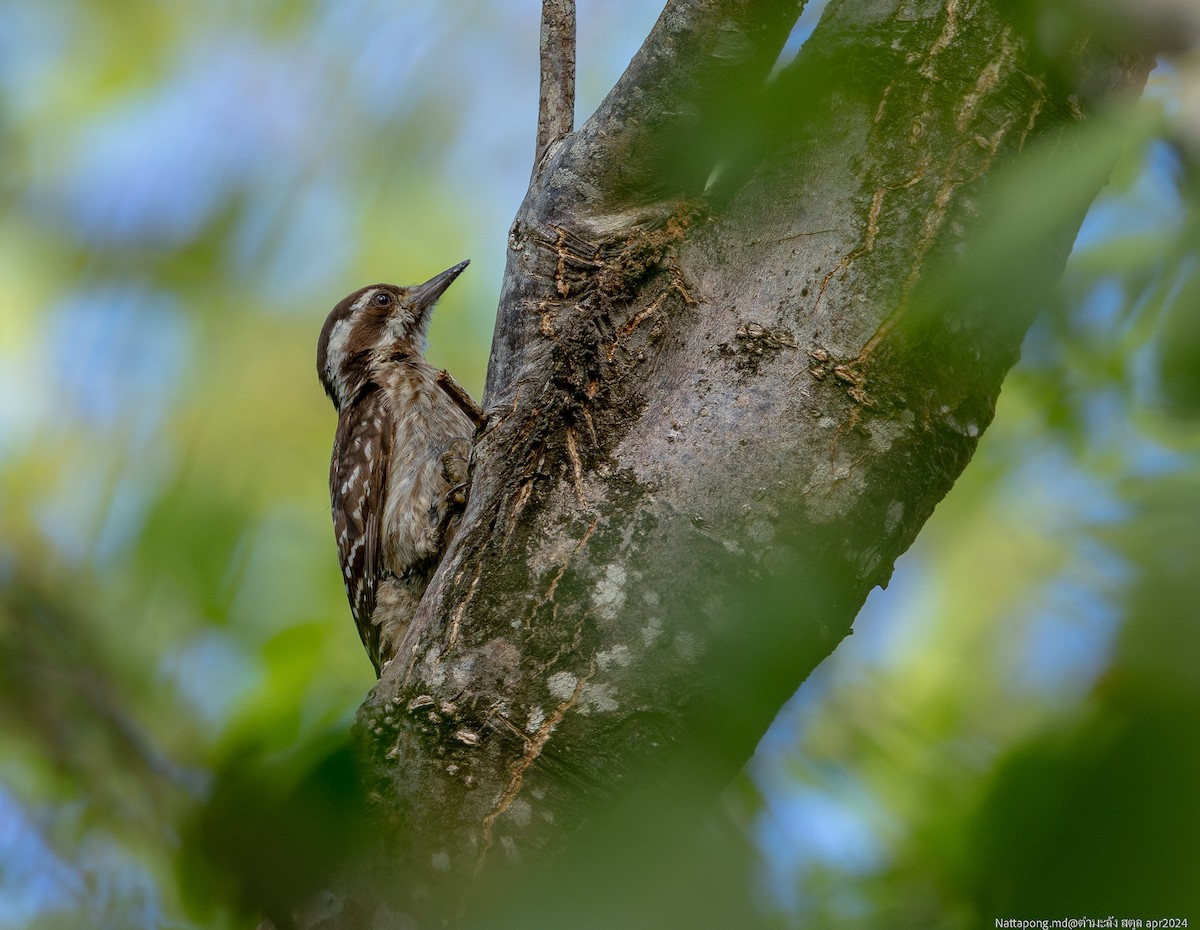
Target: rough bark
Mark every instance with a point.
(723, 397)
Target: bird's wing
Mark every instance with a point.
(458, 394)
(357, 478)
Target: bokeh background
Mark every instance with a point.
(1014, 730)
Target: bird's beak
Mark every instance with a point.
(424, 296)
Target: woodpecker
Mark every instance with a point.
(400, 453)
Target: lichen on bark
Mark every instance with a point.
(724, 394)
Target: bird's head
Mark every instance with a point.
(372, 327)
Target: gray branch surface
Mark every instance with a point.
(556, 94)
(723, 397)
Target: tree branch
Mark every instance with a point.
(702, 58)
(556, 98)
(712, 426)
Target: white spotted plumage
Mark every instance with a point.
(402, 444)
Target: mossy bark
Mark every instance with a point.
(723, 397)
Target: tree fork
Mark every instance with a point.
(724, 395)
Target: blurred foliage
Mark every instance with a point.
(188, 189)
(1009, 734)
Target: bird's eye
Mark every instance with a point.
(382, 299)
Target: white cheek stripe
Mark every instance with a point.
(340, 334)
(338, 337)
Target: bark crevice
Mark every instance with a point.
(717, 412)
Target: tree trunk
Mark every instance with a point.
(728, 384)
